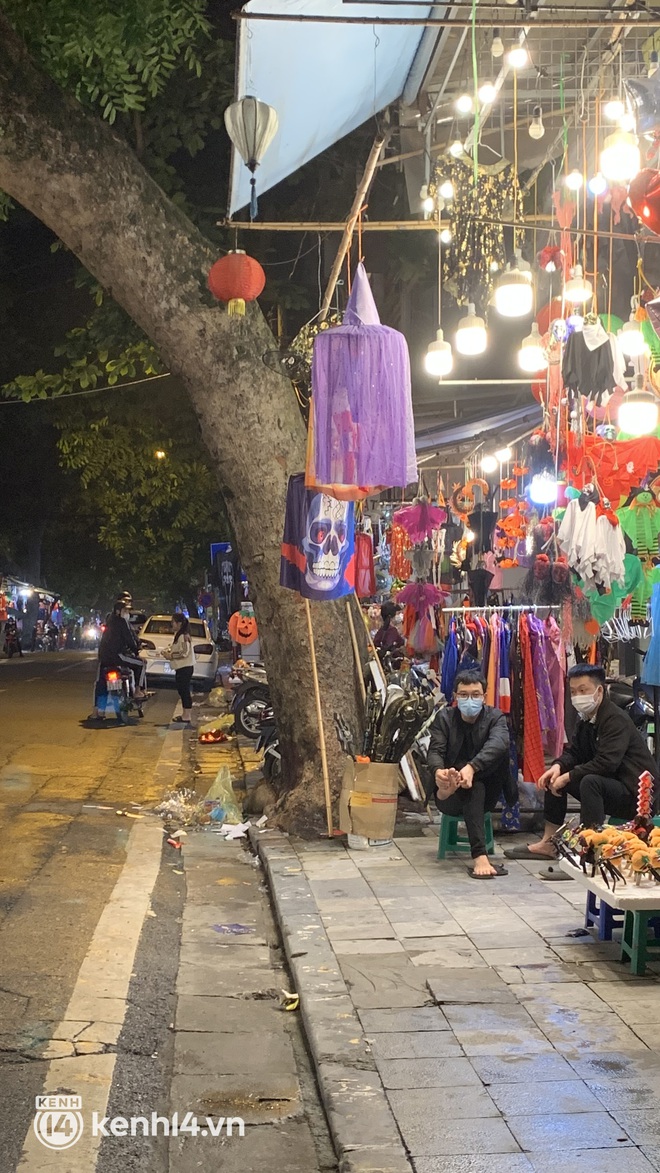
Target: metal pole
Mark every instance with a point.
(491, 15)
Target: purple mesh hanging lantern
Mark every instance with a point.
(363, 419)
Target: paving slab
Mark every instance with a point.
(624, 1160)
(509, 1069)
(449, 953)
(416, 1018)
(529, 1099)
(496, 1030)
(275, 1097)
(427, 1134)
(469, 986)
(286, 1145)
(378, 983)
(622, 1095)
(642, 1126)
(566, 1131)
(230, 1015)
(514, 1163)
(415, 1045)
(202, 1053)
(401, 1074)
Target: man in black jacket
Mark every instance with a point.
(601, 766)
(469, 757)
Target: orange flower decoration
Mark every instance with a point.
(508, 563)
(509, 483)
(509, 503)
(519, 470)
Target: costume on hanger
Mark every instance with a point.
(544, 697)
(365, 571)
(593, 364)
(556, 662)
(651, 665)
(480, 580)
(400, 567)
(533, 757)
(593, 542)
(420, 519)
(641, 522)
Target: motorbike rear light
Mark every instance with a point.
(204, 649)
(112, 676)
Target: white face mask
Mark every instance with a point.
(586, 705)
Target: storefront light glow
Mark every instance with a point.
(518, 57)
(614, 109)
(514, 296)
(532, 356)
(597, 184)
(543, 489)
(464, 104)
(504, 455)
(471, 336)
(446, 189)
(487, 93)
(26, 592)
(578, 290)
(456, 148)
(620, 158)
(638, 413)
(439, 359)
(489, 464)
(574, 180)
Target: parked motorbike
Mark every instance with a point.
(251, 697)
(630, 696)
(119, 686)
(11, 645)
(269, 744)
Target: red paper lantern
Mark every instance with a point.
(236, 278)
(644, 196)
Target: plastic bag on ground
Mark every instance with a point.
(221, 792)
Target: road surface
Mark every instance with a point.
(60, 856)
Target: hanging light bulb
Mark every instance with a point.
(576, 322)
(504, 455)
(620, 158)
(513, 294)
(469, 535)
(638, 413)
(578, 289)
(518, 57)
(536, 127)
(597, 184)
(456, 148)
(543, 489)
(471, 337)
(653, 63)
(446, 190)
(439, 358)
(614, 109)
(445, 236)
(497, 44)
(428, 203)
(574, 180)
(487, 93)
(628, 122)
(489, 464)
(464, 104)
(631, 337)
(532, 356)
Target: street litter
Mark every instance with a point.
(261, 822)
(174, 843)
(216, 697)
(290, 1001)
(179, 835)
(236, 930)
(179, 806)
(129, 815)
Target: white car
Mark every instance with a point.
(156, 634)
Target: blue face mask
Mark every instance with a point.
(470, 706)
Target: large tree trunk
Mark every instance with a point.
(71, 170)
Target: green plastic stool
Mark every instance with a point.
(636, 945)
(450, 840)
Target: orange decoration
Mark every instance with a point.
(509, 483)
(236, 278)
(592, 627)
(519, 470)
(242, 628)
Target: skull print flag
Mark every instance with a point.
(362, 401)
(318, 548)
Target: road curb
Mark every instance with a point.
(362, 1126)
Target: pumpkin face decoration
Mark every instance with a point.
(242, 628)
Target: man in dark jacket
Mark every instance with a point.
(600, 767)
(469, 757)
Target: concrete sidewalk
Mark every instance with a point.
(455, 1025)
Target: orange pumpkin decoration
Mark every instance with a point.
(242, 628)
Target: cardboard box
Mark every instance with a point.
(368, 799)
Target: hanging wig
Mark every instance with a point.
(548, 581)
(539, 455)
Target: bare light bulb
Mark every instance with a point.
(446, 190)
(614, 109)
(597, 184)
(518, 57)
(536, 127)
(464, 104)
(489, 464)
(445, 236)
(456, 148)
(439, 359)
(497, 44)
(504, 455)
(574, 180)
(487, 94)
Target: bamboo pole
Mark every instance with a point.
(356, 650)
(319, 714)
(488, 16)
(349, 227)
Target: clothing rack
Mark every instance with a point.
(500, 607)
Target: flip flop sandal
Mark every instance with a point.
(499, 871)
(180, 721)
(525, 853)
(554, 876)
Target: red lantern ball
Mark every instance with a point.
(644, 196)
(236, 278)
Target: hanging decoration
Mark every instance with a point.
(644, 196)
(420, 519)
(363, 420)
(318, 547)
(477, 251)
(644, 97)
(251, 126)
(236, 279)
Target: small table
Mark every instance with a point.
(640, 905)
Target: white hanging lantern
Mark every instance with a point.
(532, 356)
(471, 336)
(439, 358)
(620, 159)
(543, 489)
(489, 464)
(638, 413)
(514, 296)
(578, 289)
(251, 126)
(631, 337)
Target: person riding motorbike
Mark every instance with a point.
(12, 638)
(119, 648)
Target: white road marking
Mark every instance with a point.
(101, 990)
(76, 664)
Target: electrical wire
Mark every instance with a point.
(76, 394)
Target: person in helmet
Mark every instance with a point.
(118, 647)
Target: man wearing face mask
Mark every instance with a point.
(601, 765)
(469, 757)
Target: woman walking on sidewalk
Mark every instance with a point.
(182, 656)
